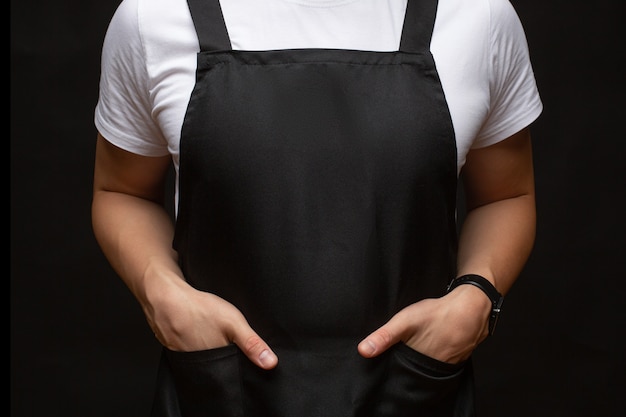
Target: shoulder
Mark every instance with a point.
(486, 16)
(138, 53)
(123, 24)
(505, 24)
(140, 22)
(502, 11)
(143, 36)
(483, 60)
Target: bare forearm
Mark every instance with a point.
(136, 237)
(496, 240)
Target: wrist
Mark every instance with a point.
(161, 285)
(490, 294)
(473, 300)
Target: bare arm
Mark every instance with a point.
(129, 221)
(499, 231)
(495, 242)
(135, 233)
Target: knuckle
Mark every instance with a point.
(254, 343)
(385, 336)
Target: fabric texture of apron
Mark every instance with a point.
(317, 193)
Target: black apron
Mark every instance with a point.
(317, 193)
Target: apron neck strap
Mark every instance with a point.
(210, 26)
(417, 31)
(419, 22)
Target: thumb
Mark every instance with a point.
(255, 349)
(380, 340)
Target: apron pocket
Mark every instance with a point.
(208, 382)
(426, 365)
(417, 384)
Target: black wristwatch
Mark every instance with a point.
(488, 288)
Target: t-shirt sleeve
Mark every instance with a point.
(514, 98)
(123, 113)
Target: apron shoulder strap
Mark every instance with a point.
(419, 22)
(210, 26)
(417, 30)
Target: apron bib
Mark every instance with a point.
(317, 193)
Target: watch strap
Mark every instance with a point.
(488, 288)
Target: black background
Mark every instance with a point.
(80, 345)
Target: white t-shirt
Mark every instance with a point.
(149, 61)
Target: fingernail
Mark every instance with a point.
(369, 347)
(267, 359)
